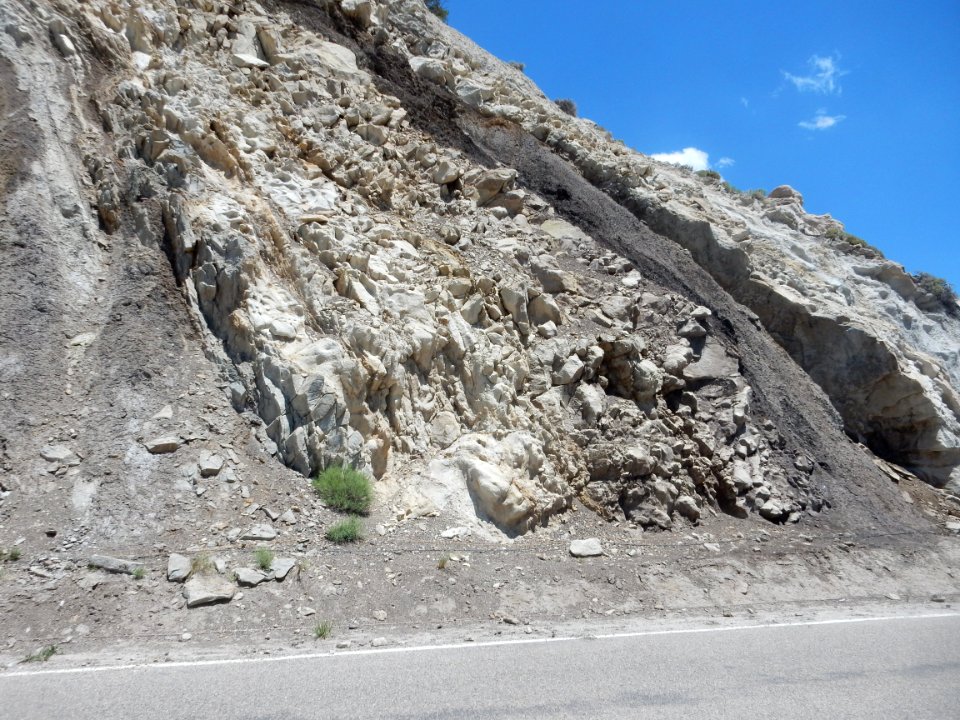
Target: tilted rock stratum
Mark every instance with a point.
(395, 251)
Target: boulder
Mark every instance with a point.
(492, 182)
(543, 309)
(589, 547)
(210, 465)
(569, 372)
(178, 568)
(207, 589)
(785, 192)
(248, 577)
(685, 505)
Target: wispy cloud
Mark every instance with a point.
(821, 121)
(692, 157)
(744, 102)
(725, 162)
(824, 76)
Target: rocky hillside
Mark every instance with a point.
(241, 237)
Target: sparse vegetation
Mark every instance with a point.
(42, 655)
(345, 531)
(517, 65)
(322, 630)
(343, 488)
(708, 174)
(10, 554)
(263, 558)
(939, 288)
(837, 233)
(201, 565)
(567, 105)
(442, 562)
(300, 568)
(437, 8)
(139, 572)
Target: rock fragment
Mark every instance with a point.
(206, 590)
(115, 565)
(163, 445)
(178, 568)
(589, 547)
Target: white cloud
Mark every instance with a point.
(824, 76)
(725, 162)
(692, 157)
(744, 102)
(821, 121)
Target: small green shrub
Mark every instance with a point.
(437, 8)
(517, 65)
(139, 572)
(939, 288)
(263, 557)
(343, 488)
(758, 194)
(11, 555)
(708, 174)
(567, 105)
(322, 630)
(442, 562)
(836, 233)
(345, 531)
(42, 655)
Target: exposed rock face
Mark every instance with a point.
(385, 282)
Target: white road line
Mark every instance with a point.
(466, 645)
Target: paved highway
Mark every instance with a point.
(900, 667)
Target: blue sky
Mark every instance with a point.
(855, 104)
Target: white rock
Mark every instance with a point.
(245, 60)
(589, 547)
(569, 372)
(456, 532)
(163, 445)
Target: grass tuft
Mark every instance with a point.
(139, 573)
(42, 655)
(345, 531)
(264, 558)
(201, 565)
(442, 562)
(343, 488)
(322, 630)
(10, 555)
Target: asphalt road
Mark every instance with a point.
(906, 667)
